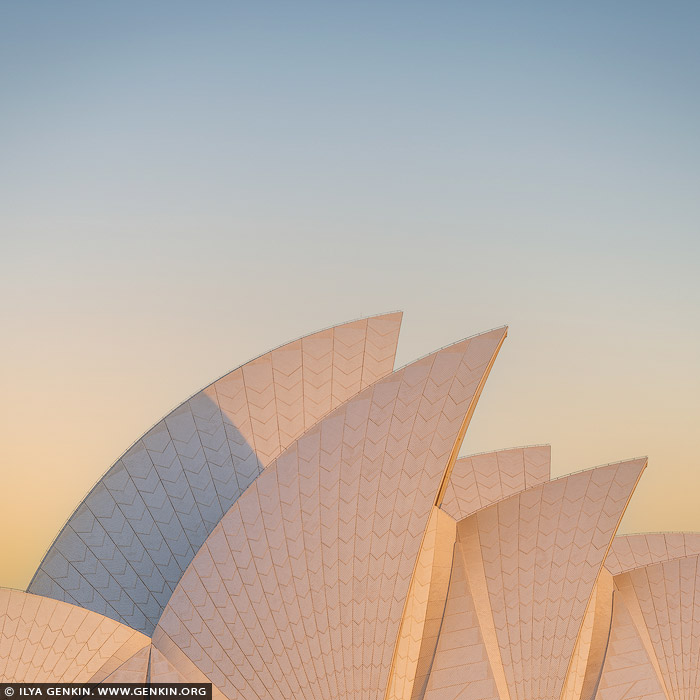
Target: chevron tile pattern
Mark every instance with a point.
(299, 591)
(125, 548)
(577, 666)
(628, 672)
(424, 609)
(133, 670)
(533, 561)
(461, 668)
(629, 552)
(162, 671)
(668, 618)
(169, 664)
(589, 653)
(302, 529)
(46, 640)
(480, 480)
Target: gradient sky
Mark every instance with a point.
(184, 185)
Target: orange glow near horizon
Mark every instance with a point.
(69, 420)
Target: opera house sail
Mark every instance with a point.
(304, 528)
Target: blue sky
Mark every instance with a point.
(184, 185)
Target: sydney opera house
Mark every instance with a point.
(304, 528)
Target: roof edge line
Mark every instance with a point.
(660, 532)
(505, 449)
(174, 408)
(653, 563)
(602, 566)
(449, 345)
(559, 478)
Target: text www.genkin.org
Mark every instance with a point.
(201, 691)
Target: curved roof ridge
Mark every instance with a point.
(281, 345)
(505, 449)
(559, 478)
(449, 345)
(481, 479)
(659, 561)
(659, 532)
(637, 550)
(225, 374)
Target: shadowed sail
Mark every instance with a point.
(126, 546)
